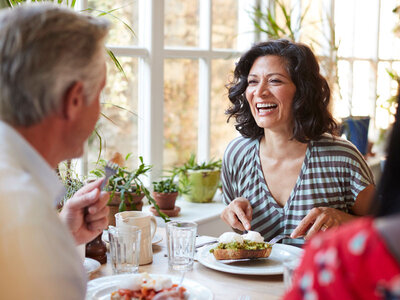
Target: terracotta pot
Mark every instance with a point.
(136, 204)
(165, 200)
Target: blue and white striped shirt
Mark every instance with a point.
(333, 174)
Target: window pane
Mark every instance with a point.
(356, 27)
(363, 96)
(221, 131)
(180, 110)
(312, 27)
(225, 23)
(118, 124)
(342, 106)
(389, 43)
(181, 23)
(125, 11)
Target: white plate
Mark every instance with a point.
(91, 265)
(156, 239)
(271, 266)
(101, 288)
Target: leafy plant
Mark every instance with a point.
(193, 165)
(127, 183)
(70, 180)
(268, 23)
(165, 186)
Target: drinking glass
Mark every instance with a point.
(124, 248)
(181, 240)
(289, 266)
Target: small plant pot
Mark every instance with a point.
(136, 204)
(202, 185)
(165, 200)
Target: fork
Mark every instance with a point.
(278, 238)
(110, 169)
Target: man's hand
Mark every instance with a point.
(320, 219)
(238, 214)
(85, 214)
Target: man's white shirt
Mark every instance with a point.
(38, 256)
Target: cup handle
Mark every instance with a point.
(153, 226)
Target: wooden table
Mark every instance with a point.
(223, 285)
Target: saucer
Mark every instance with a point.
(169, 212)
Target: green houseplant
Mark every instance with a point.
(127, 189)
(165, 192)
(199, 181)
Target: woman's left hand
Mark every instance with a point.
(320, 219)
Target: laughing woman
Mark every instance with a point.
(288, 173)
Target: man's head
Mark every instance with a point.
(47, 54)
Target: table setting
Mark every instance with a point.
(183, 259)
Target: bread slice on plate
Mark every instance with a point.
(220, 254)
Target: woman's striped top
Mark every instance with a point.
(332, 174)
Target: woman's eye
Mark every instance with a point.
(252, 81)
(274, 80)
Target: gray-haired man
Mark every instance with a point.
(52, 70)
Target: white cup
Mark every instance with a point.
(147, 224)
(124, 248)
(181, 240)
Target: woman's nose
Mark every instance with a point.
(262, 90)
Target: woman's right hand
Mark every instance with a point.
(238, 214)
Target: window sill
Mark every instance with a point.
(206, 215)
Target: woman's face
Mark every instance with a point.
(270, 93)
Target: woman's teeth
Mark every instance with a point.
(265, 107)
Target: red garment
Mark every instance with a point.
(351, 262)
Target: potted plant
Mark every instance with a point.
(199, 181)
(127, 189)
(165, 192)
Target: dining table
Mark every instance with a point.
(223, 285)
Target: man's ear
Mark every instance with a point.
(73, 101)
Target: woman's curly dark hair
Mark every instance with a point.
(310, 103)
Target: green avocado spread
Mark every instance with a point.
(246, 245)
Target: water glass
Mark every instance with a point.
(289, 266)
(124, 248)
(181, 240)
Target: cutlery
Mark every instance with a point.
(279, 237)
(206, 243)
(110, 169)
(229, 261)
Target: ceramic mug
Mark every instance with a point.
(147, 224)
